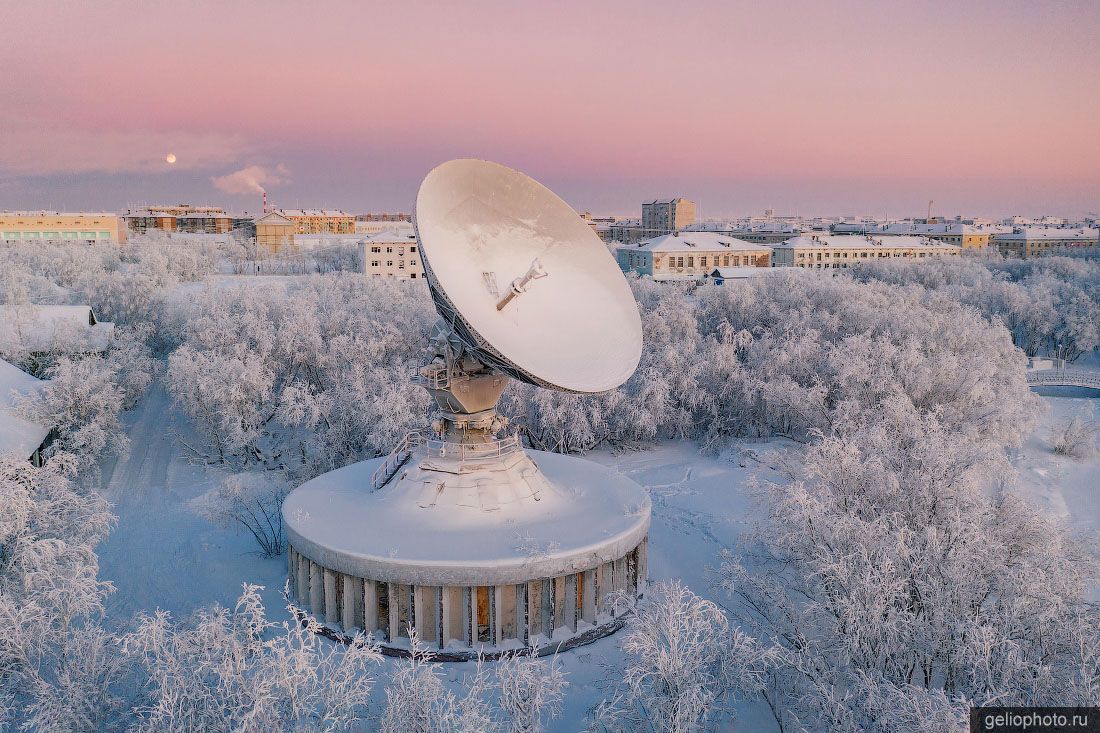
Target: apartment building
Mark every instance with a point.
(54, 226)
(824, 252)
(668, 215)
(319, 221)
(392, 253)
(181, 218)
(966, 236)
(690, 255)
(1027, 242)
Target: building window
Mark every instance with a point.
(374, 263)
(376, 249)
(389, 263)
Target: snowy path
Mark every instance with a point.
(161, 555)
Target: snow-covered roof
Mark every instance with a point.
(696, 242)
(68, 328)
(1049, 233)
(273, 217)
(313, 212)
(402, 235)
(18, 436)
(854, 241)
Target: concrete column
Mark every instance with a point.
(559, 602)
(496, 601)
(470, 596)
(316, 589)
(395, 619)
(522, 629)
(569, 612)
(291, 566)
(332, 609)
(303, 580)
(370, 607)
(418, 615)
(547, 610)
(643, 565)
(603, 588)
(588, 597)
(352, 616)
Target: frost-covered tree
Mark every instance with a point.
(251, 501)
(683, 662)
(83, 403)
(236, 671)
(891, 576)
(57, 668)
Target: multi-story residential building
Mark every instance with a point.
(319, 221)
(181, 218)
(1037, 241)
(375, 223)
(37, 226)
(825, 252)
(668, 215)
(690, 255)
(392, 253)
(967, 236)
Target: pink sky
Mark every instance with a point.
(986, 107)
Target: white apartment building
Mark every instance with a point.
(690, 255)
(392, 253)
(825, 252)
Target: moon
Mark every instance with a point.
(170, 158)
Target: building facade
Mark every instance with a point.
(667, 216)
(319, 221)
(690, 255)
(275, 232)
(37, 226)
(1025, 242)
(833, 252)
(180, 218)
(392, 253)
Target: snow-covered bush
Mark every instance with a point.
(57, 668)
(252, 501)
(236, 671)
(1076, 437)
(891, 574)
(531, 691)
(417, 701)
(683, 663)
(131, 357)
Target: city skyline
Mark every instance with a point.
(856, 109)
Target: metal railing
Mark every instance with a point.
(1064, 377)
(416, 442)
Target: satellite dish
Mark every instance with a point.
(523, 281)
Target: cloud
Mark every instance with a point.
(34, 147)
(253, 179)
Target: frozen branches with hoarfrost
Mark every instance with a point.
(891, 576)
(236, 671)
(1076, 436)
(684, 662)
(56, 666)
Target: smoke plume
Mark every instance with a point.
(253, 179)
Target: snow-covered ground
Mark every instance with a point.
(163, 555)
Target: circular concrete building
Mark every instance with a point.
(496, 550)
(461, 535)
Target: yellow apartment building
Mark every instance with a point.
(319, 221)
(839, 251)
(1037, 242)
(87, 227)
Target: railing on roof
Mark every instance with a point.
(416, 442)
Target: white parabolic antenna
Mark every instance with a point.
(524, 282)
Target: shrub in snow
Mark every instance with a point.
(57, 667)
(417, 701)
(236, 671)
(683, 662)
(252, 501)
(889, 578)
(1076, 437)
(531, 691)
